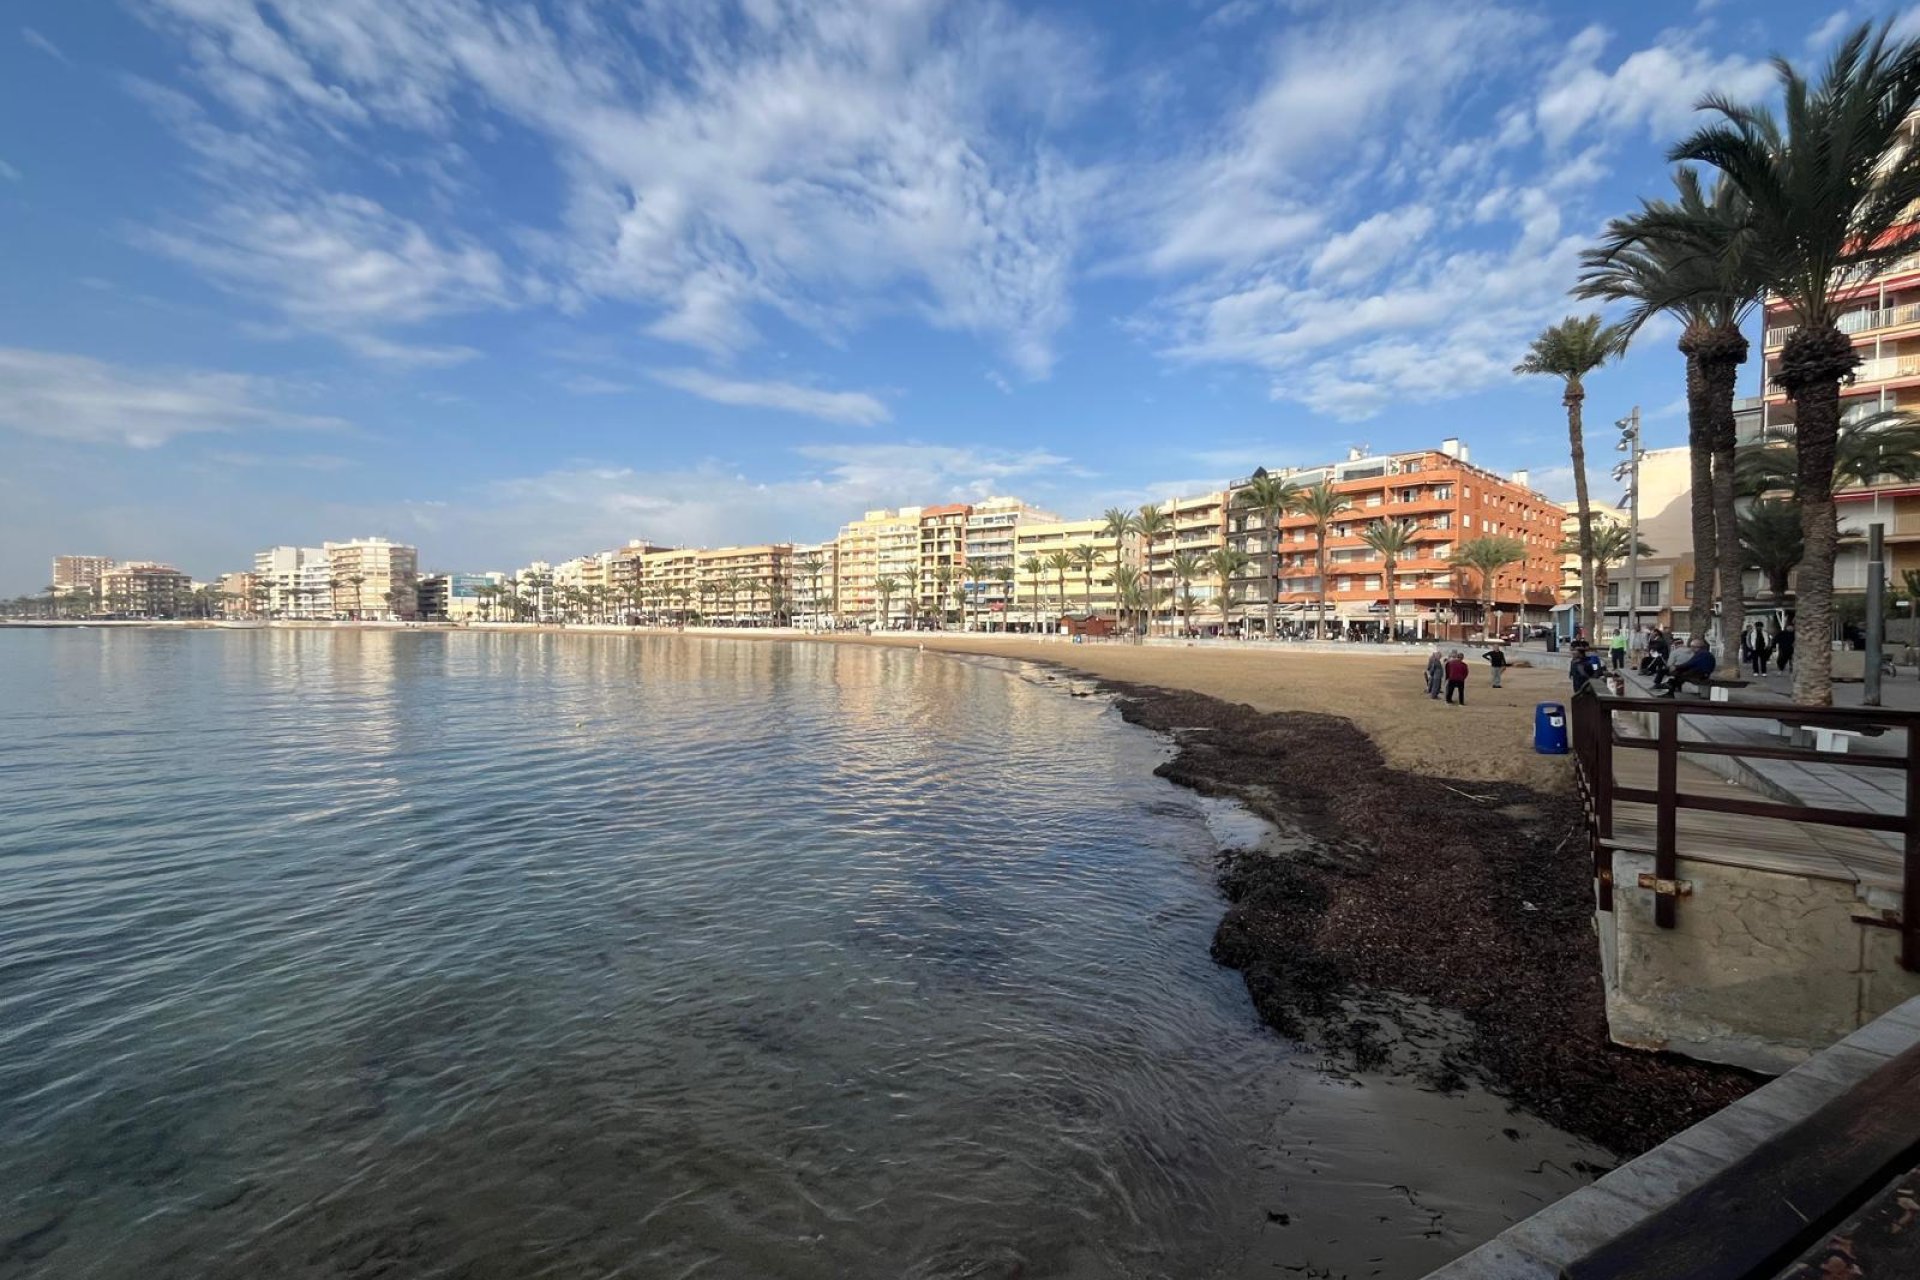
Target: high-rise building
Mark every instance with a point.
(1196, 528)
(1445, 501)
(372, 578)
(294, 582)
(239, 595)
(815, 585)
(81, 574)
(749, 585)
(145, 589)
(943, 547)
(992, 524)
(881, 545)
(1088, 591)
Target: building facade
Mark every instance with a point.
(79, 575)
(992, 552)
(748, 585)
(1086, 591)
(146, 589)
(294, 582)
(816, 585)
(1445, 501)
(372, 578)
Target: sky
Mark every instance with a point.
(516, 281)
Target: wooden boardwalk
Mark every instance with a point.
(1865, 858)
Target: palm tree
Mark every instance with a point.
(1227, 564)
(1060, 562)
(682, 597)
(1827, 210)
(1570, 351)
(1185, 567)
(1126, 594)
(1709, 279)
(1003, 574)
(1033, 567)
(1151, 524)
(885, 587)
(1119, 526)
(1880, 446)
(1270, 499)
(1321, 503)
(1772, 542)
(1086, 559)
(942, 588)
(1612, 543)
(959, 589)
(811, 569)
(1488, 556)
(1389, 539)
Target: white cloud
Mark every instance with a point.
(344, 266)
(828, 161)
(1653, 88)
(76, 398)
(1354, 255)
(8, 172)
(854, 407)
(44, 45)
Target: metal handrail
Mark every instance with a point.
(1594, 740)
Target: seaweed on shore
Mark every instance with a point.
(1475, 897)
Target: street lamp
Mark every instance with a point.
(1629, 471)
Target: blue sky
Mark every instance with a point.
(522, 280)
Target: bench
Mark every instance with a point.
(1822, 737)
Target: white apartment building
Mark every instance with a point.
(991, 544)
(295, 582)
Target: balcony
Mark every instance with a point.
(1887, 368)
(1866, 320)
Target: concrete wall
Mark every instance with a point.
(1761, 971)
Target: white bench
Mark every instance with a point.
(1822, 737)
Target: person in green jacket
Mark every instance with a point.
(1618, 647)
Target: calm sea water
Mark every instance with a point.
(422, 954)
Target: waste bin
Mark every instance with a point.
(1553, 642)
(1550, 729)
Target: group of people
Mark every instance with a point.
(1758, 647)
(1447, 672)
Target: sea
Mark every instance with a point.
(490, 954)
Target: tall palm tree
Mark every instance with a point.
(811, 569)
(1487, 557)
(1152, 524)
(959, 589)
(1612, 543)
(1570, 351)
(1827, 209)
(1060, 562)
(1119, 526)
(1772, 542)
(1322, 504)
(1271, 499)
(1709, 279)
(682, 597)
(1033, 567)
(886, 587)
(1389, 539)
(942, 588)
(1227, 564)
(1086, 558)
(1003, 574)
(1185, 567)
(1126, 595)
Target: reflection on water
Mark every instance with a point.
(365, 953)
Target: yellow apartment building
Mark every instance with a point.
(749, 585)
(1039, 594)
(816, 585)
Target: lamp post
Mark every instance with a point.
(1629, 471)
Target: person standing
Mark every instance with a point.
(1456, 671)
(1783, 646)
(1436, 672)
(1762, 648)
(1497, 659)
(1618, 648)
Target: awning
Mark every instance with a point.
(1570, 607)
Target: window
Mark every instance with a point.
(1371, 583)
(1466, 522)
(1441, 522)
(1343, 584)
(1689, 589)
(1613, 595)
(1443, 492)
(1374, 500)
(1650, 592)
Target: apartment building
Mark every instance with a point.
(626, 574)
(372, 578)
(748, 585)
(239, 595)
(882, 544)
(991, 546)
(1040, 594)
(670, 581)
(458, 597)
(1447, 501)
(294, 582)
(1198, 528)
(816, 585)
(943, 546)
(79, 574)
(146, 589)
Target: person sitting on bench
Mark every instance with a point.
(1695, 668)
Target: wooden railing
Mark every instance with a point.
(1594, 740)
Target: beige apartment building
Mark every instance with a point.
(146, 589)
(943, 546)
(1041, 603)
(881, 544)
(1199, 528)
(748, 584)
(79, 574)
(670, 581)
(992, 525)
(239, 595)
(372, 578)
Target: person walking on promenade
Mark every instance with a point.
(1457, 677)
(1783, 647)
(1436, 672)
(1762, 648)
(1618, 648)
(1637, 646)
(1497, 659)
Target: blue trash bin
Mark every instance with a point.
(1550, 729)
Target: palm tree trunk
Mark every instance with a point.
(1720, 370)
(1321, 558)
(1392, 633)
(1706, 559)
(1273, 576)
(1812, 363)
(1576, 441)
